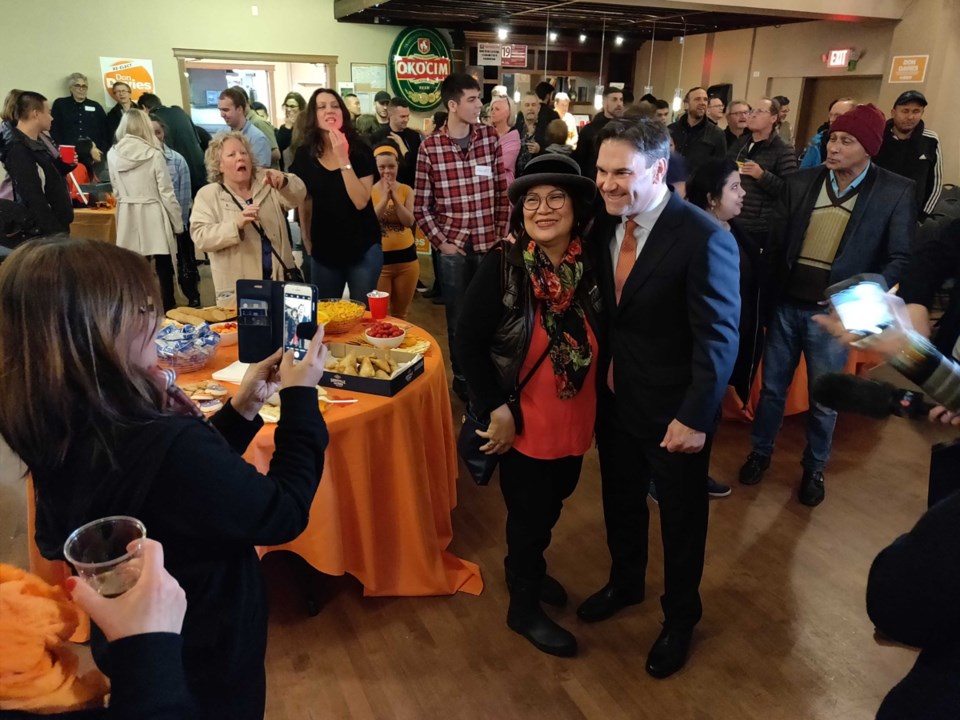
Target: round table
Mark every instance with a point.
(382, 510)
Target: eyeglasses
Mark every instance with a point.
(555, 201)
(81, 87)
(740, 112)
(292, 107)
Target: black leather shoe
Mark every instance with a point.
(811, 488)
(526, 617)
(753, 469)
(607, 602)
(669, 653)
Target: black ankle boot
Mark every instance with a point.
(551, 591)
(527, 618)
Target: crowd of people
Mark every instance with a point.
(608, 281)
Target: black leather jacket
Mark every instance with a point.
(496, 323)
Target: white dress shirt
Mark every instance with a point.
(645, 221)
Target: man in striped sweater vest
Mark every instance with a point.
(845, 217)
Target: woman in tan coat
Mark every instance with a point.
(227, 211)
(148, 214)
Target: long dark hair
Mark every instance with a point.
(69, 309)
(707, 181)
(312, 134)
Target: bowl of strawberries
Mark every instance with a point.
(384, 335)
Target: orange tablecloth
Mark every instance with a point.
(95, 224)
(382, 511)
(798, 400)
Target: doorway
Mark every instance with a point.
(818, 93)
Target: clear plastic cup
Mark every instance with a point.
(99, 553)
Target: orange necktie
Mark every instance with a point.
(627, 257)
(625, 262)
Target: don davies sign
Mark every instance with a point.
(419, 61)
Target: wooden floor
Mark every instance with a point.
(784, 634)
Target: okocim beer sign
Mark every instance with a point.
(419, 61)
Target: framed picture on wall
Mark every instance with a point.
(368, 77)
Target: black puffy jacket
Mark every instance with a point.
(777, 159)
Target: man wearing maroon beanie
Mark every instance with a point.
(834, 221)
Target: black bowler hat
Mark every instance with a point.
(382, 97)
(911, 96)
(552, 169)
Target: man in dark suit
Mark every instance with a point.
(834, 221)
(670, 278)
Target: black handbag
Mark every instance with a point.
(479, 464)
(290, 274)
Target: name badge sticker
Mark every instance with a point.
(484, 171)
(89, 109)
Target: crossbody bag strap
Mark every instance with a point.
(263, 235)
(536, 366)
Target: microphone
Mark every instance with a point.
(848, 393)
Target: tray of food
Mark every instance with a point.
(370, 370)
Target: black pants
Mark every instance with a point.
(626, 465)
(534, 491)
(187, 274)
(163, 266)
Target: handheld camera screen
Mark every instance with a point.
(297, 308)
(863, 308)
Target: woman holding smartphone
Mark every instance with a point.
(338, 224)
(83, 407)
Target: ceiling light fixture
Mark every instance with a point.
(653, 39)
(598, 94)
(553, 37)
(619, 40)
(583, 38)
(502, 33)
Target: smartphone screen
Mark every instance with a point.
(255, 311)
(298, 307)
(863, 308)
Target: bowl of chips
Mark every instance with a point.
(341, 315)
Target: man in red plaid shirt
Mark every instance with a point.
(461, 197)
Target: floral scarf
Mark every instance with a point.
(571, 353)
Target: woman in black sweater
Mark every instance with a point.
(531, 318)
(81, 405)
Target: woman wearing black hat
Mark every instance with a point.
(530, 318)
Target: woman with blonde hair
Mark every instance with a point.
(239, 218)
(148, 214)
(84, 407)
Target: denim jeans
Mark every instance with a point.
(361, 277)
(791, 331)
(456, 272)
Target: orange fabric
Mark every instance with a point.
(555, 428)
(798, 400)
(82, 177)
(382, 511)
(100, 224)
(37, 673)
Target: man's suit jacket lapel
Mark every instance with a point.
(660, 241)
(605, 230)
(860, 208)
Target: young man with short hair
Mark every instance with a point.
(785, 131)
(715, 109)
(461, 197)
(695, 137)
(912, 150)
(353, 106)
(588, 147)
(233, 109)
(381, 106)
(406, 138)
(264, 126)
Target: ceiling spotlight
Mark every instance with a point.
(583, 38)
(619, 40)
(553, 37)
(501, 33)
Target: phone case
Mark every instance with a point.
(258, 336)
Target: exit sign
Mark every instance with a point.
(838, 58)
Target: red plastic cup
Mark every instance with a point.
(68, 153)
(378, 301)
